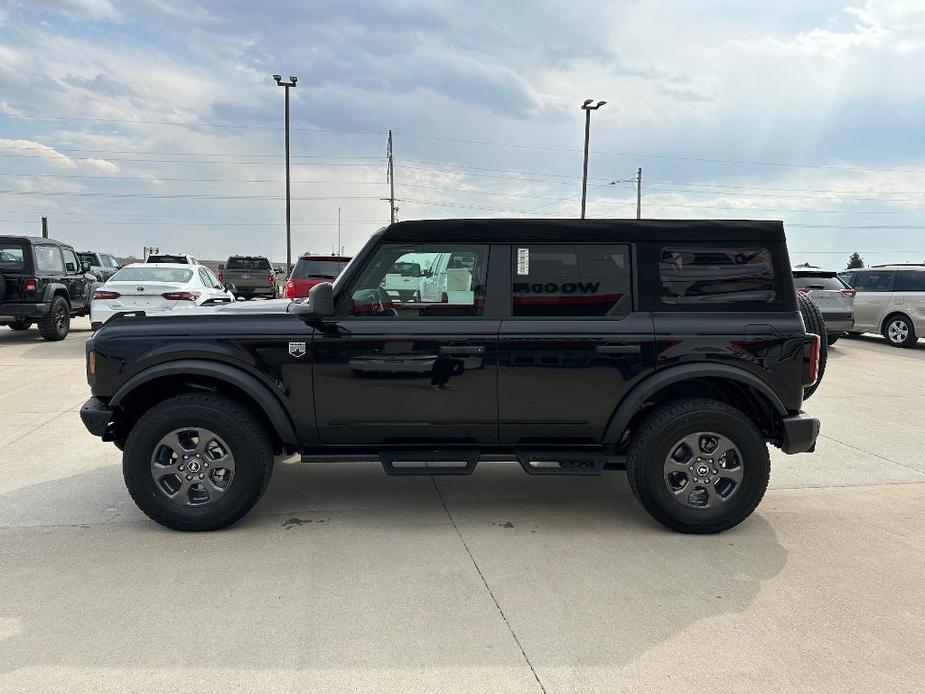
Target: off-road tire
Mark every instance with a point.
(815, 323)
(236, 423)
(911, 338)
(20, 325)
(652, 444)
(56, 324)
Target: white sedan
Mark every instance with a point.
(156, 288)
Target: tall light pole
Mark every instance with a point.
(587, 108)
(291, 83)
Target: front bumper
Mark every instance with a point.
(14, 310)
(799, 434)
(96, 416)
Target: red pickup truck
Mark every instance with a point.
(311, 270)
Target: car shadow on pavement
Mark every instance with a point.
(341, 566)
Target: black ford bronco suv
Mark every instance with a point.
(42, 281)
(675, 350)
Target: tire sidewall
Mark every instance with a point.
(246, 483)
(756, 468)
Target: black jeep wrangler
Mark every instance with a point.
(42, 281)
(674, 350)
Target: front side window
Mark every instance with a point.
(451, 282)
(570, 280)
(691, 275)
(910, 281)
(48, 259)
(874, 281)
(70, 260)
(112, 262)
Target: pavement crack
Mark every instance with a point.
(491, 594)
(876, 455)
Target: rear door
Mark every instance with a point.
(874, 291)
(572, 343)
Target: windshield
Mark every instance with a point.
(315, 268)
(11, 256)
(176, 275)
(242, 263)
(180, 259)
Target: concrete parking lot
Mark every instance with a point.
(343, 579)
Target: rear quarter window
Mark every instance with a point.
(740, 275)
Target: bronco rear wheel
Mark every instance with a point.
(197, 462)
(698, 466)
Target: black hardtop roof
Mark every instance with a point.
(33, 239)
(570, 230)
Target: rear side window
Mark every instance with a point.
(570, 280)
(12, 257)
(48, 259)
(910, 281)
(874, 281)
(248, 264)
(691, 275)
(807, 282)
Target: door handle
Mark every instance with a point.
(461, 349)
(618, 349)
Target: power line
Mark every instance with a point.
(490, 143)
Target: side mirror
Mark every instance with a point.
(320, 303)
(84, 266)
(229, 287)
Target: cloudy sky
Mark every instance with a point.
(157, 122)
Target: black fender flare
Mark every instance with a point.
(646, 388)
(53, 288)
(235, 376)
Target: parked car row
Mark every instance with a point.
(885, 299)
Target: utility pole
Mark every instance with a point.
(391, 177)
(44, 227)
(340, 249)
(639, 193)
(587, 108)
(291, 83)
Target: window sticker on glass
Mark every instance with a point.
(523, 261)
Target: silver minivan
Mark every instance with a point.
(833, 297)
(890, 300)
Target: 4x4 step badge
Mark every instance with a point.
(297, 349)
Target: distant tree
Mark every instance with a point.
(855, 260)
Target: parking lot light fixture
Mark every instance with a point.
(286, 85)
(587, 107)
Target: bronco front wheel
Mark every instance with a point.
(197, 462)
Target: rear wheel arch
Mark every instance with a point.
(726, 384)
(163, 381)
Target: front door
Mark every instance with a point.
(419, 370)
(874, 290)
(573, 344)
(77, 283)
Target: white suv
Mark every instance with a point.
(890, 300)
